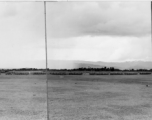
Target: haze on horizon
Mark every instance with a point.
(99, 31)
(85, 31)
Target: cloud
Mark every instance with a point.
(105, 48)
(76, 19)
(21, 33)
(95, 31)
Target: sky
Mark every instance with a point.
(87, 31)
(20, 45)
(99, 31)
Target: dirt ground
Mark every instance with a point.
(100, 97)
(22, 97)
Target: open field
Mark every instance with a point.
(22, 97)
(95, 97)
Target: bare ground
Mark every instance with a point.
(100, 97)
(22, 97)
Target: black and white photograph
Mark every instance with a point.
(22, 61)
(75, 60)
(99, 60)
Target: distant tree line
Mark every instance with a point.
(21, 69)
(99, 69)
(76, 69)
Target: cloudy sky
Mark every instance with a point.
(89, 31)
(99, 31)
(21, 45)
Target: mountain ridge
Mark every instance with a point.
(69, 64)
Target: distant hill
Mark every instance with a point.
(69, 64)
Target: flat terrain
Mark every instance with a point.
(22, 97)
(86, 97)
